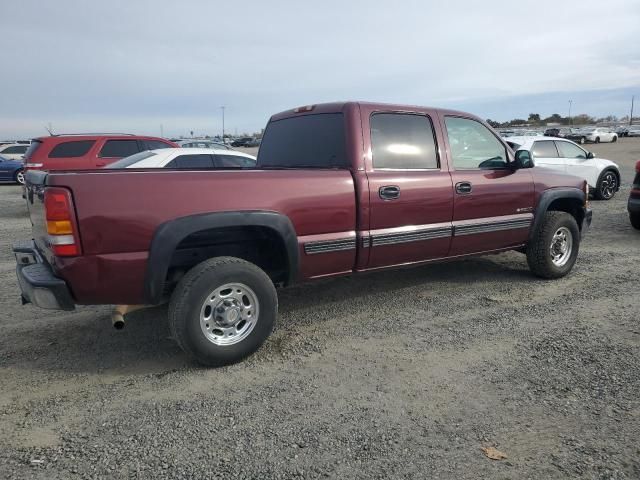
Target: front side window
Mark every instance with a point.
(155, 144)
(119, 148)
(569, 150)
(402, 141)
(71, 149)
(191, 161)
(473, 145)
(234, 161)
(546, 149)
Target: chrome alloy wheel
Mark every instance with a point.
(229, 314)
(561, 246)
(20, 177)
(608, 185)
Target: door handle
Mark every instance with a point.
(389, 192)
(464, 188)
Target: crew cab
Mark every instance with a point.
(339, 188)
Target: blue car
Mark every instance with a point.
(11, 170)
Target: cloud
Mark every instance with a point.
(88, 65)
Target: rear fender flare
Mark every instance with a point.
(169, 235)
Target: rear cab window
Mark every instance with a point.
(76, 148)
(306, 141)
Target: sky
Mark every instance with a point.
(158, 66)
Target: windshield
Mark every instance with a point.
(308, 141)
(130, 160)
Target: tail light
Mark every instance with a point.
(61, 226)
(33, 165)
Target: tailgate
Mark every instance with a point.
(35, 184)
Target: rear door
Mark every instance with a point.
(493, 203)
(575, 159)
(410, 191)
(545, 154)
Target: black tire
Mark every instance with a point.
(634, 218)
(614, 139)
(539, 248)
(607, 185)
(18, 177)
(188, 300)
(597, 139)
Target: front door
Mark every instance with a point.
(493, 202)
(410, 191)
(545, 154)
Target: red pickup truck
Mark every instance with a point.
(338, 188)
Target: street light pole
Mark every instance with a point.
(570, 103)
(633, 97)
(222, 123)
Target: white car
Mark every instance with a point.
(594, 134)
(188, 158)
(13, 151)
(196, 143)
(603, 176)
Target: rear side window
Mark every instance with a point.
(71, 149)
(119, 148)
(155, 144)
(402, 141)
(546, 149)
(308, 141)
(191, 161)
(234, 161)
(32, 148)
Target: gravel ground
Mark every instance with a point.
(403, 374)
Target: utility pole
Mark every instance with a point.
(633, 97)
(570, 103)
(222, 108)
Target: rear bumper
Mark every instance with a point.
(37, 282)
(586, 221)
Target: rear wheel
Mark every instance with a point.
(614, 139)
(635, 220)
(597, 139)
(583, 140)
(553, 250)
(607, 185)
(19, 177)
(223, 310)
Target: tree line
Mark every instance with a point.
(535, 120)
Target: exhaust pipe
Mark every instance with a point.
(117, 316)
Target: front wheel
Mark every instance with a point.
(597, 139)
(223, 310)
(583, 140)
(553, 250)
(19, 177)
(614, 139)
(634, 218)
(607, 185)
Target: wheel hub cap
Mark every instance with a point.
(229, 314)
(561, 246)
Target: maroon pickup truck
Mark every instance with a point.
(339, 188)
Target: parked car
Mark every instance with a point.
(242, 142)
(633, 205)
(633, 131)
(339, 188)
(13, 151)
(255, 142)
(80, 152)
(11, 170)
(622, 130)
(187, 158)
(593, 134)
(603, 176)
(202, 144)
(559, 132)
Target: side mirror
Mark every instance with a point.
(590, 155)
(523, 160)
